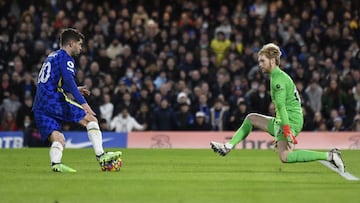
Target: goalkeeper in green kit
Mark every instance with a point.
(289, 118)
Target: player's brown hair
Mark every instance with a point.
(271, 51)
(69, 34)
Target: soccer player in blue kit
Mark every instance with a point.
(52, 106)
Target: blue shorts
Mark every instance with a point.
(50, 119)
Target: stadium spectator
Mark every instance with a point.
(16, 80)
(166, 92)
(9, 122)
(220, 45)
(224, 27)
(163, 117)
(202, 105)
(118, 93)
(114, 49)
(194, 79)
(199, 123)
(95, 74)
(188, 63)
(346, 121)
(319, 122)
(104, 125)
(5, 86)
(108, 84)
(143, 97)
(356, 123)
(171, 69)
(219, 116)
(238, 115)
(94, 99)
(106, 108)
(356, 92)
(332, 98)
(127, 101)
(181, 98)
(308, 115)
(32, 137)
(160, 79)
(314, 93)
(11, 104)
(24, 116)
(27, 87)
(222, 85)
(144, 115)
(259, 100)
(258, 9)
(238, 90)
(124, 122)
(184, 117)
(338, 124)
(302, 94)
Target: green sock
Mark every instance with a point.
(242, 132)
(305, 156)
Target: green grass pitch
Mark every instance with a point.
(174, 175)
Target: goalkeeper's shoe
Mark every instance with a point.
(336, 159)
(220, 148)
(62, 168)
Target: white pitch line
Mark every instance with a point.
(346, 175)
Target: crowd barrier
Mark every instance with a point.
(196, 140)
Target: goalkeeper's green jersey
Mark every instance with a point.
(286, 99)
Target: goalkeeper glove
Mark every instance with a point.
(288, 134)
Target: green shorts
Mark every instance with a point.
(275, 129)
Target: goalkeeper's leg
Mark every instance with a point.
(287, 155)
(252, 120)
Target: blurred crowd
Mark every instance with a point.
(186, 65)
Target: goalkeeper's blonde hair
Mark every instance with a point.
(271, 51)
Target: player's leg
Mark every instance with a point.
(108, 161)
(57, 141)
(285, 147)
(94, 133)
(287, 155)
(73, 112)
(252, 120)
(49, 129)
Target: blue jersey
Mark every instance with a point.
(56, 76)
(51, 105)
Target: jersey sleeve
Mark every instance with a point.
(280, 91)
(68, 75)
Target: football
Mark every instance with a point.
(113, 165)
